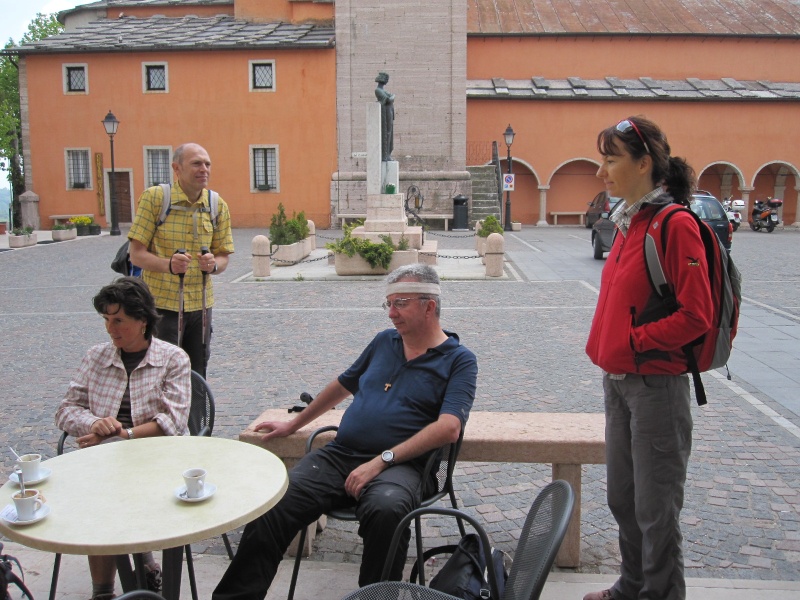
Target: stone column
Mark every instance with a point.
(746, 199)
(542, 222)
(29, 207)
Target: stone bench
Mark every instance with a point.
(58, 219)
(580, 214)
(565, 440)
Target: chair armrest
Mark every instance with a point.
(61, 440)
(313, 436)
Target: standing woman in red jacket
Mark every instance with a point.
(647, 397)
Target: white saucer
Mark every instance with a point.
(208, 491)
(44, 474)
(9, 515)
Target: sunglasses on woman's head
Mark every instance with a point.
(626, 125)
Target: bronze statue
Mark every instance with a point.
(387, 116)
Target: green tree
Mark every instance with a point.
(41, 27)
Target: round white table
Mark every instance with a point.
(120, 498)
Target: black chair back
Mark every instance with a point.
(541, 537)
(201, 413)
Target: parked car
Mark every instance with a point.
(704, 205)
(603, 230)
(601, 203)
(708, 208)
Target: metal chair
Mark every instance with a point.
(542, 534)
(200, 423)
(441, 464)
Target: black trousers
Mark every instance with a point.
(192, 341)
(316, 485)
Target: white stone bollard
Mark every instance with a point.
(494, 255)
(261, 258)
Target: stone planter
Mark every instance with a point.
(516, 226)
(21, 241)
(291, 254)
(480, 245)
(355, 265)
(61, 235)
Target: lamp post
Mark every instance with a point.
(508, 134)
(111, 124)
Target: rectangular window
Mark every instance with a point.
(78, 172)
(262, 76)
(157, 166)
(264, 167)
(155, 77)
(76, 79)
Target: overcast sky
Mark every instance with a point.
(17, 14)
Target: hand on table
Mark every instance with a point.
(102, 429)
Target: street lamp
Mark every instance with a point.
(110, 123)
(508, 134)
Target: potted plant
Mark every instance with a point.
(81, 224)
(289, 236)
(65, 231)
(94, 228)
(21, 237)
(360, 256)
(488, 226)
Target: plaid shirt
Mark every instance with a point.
(622, 218)
(160, 389)
(178, 231)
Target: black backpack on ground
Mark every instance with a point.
(7, 576)
(464, 575)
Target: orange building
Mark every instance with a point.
(262, 85)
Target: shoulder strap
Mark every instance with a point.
(213, 203)
(655, 272)
(166, 204)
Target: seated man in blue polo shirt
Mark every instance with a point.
(412, 387)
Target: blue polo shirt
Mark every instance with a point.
(393, 398)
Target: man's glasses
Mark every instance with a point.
(401, 303)
(626, 125)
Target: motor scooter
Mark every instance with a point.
(733, 208)
(765, 214)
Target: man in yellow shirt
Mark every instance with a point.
(189, 225)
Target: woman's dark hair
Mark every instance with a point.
(645, 137)
(134, 297)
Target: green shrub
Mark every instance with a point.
(490, 225)
(375, 254)
(283, 231)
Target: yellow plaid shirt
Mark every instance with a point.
(181, 229)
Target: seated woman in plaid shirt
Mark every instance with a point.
(133, 386)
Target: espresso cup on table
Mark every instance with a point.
(27, 503)
(29, 465)
(195, 481)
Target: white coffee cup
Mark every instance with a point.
(27, 504)
(29, 465)
(195, 481)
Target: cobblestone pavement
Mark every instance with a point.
(275, 339)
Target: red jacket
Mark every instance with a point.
(623, 339)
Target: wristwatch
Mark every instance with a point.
(130, 433)
(387, 456)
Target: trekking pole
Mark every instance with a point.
(204, 250)
(180, 300)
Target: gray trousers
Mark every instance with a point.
(648, 442)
